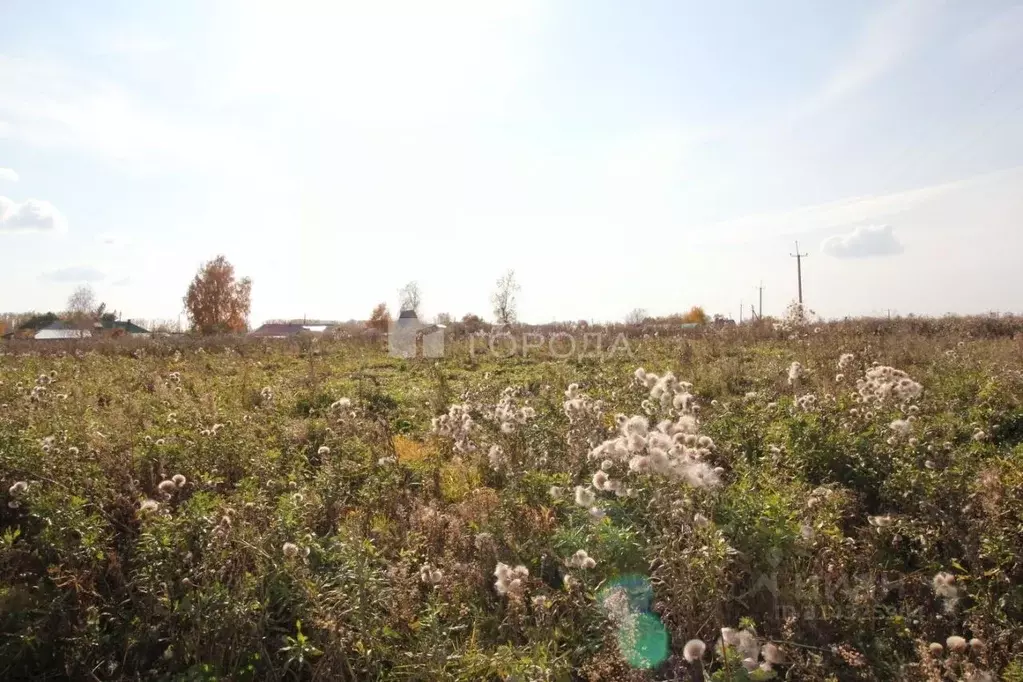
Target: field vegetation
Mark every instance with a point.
(839, 502)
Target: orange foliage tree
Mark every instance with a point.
(380, 318)
(696, 314)
(215, 302)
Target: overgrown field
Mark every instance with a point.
(322, 511)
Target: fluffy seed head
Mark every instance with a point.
(772, 654)
(694, 650)
(290, 550)
(957, 644)
(730, 636)
(583, 496)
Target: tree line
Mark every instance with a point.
(219, 302)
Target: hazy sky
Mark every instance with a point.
(653, 153)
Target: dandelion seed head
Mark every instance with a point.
(956, 644)
(694, 650)
(584, 497)
(772, 654)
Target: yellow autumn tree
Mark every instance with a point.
(216, 303)
(696, 314)
(380, 319)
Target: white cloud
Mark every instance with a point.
(123, 282)
(863, 242)
(8, 174)
(74, 274)
(30, 215)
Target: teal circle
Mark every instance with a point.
(643, 641)
(637, 587)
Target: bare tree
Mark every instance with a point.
(504, 298)
(636, 316)
(409, 297)
(82, 302)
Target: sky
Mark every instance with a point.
(655, 154)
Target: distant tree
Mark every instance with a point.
(696, 314)
(636, 316)
(39, 321)
(215, 302)
(444, 319)
(380, 318)
(409, 297)
(504, 298)
(15, 320)
(82, 302)
(472, 323)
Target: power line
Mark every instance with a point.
(799, 270)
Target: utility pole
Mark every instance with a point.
(799, 270)
(740, 312)
(753, 313)
(760, 314)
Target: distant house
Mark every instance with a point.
(118, 327)
(61, 331)
(286, 330)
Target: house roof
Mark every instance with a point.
(127, 326)
(51, 333)
(408, 315)
(274, 330)
(277, 330)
